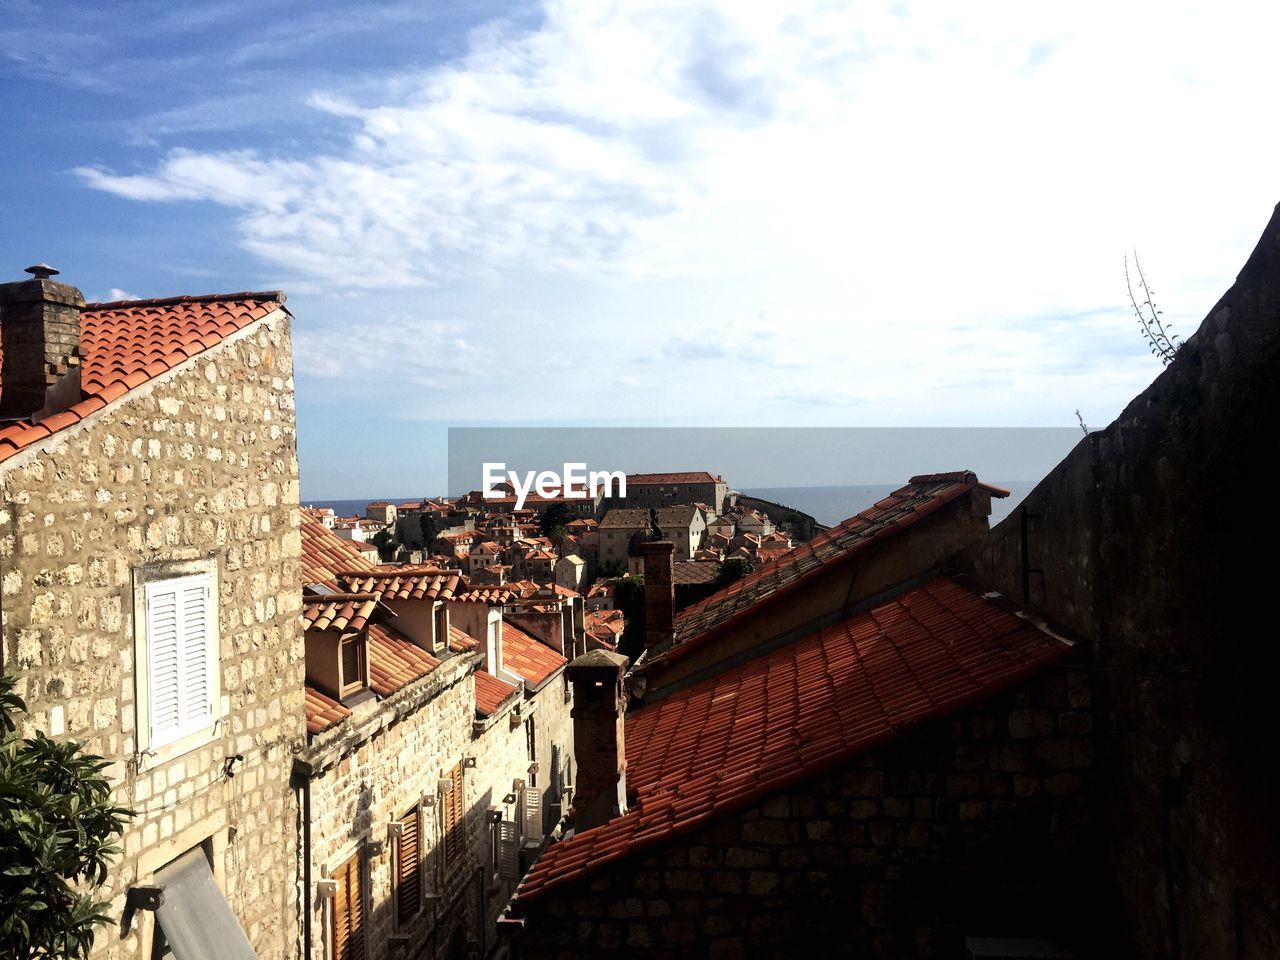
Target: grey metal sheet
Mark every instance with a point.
(195, 917)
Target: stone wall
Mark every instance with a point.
(973, 825)
(502, 757)
(197, 466)
(370, 769)
(367, 772)
(1151, 540)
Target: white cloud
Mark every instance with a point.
(902, 189)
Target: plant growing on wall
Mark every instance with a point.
(430, 528)
(1158, 333)
(628, 597)
(58, 832)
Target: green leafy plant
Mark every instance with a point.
(386, 543)
(429, 526)
(58, 833)
(735, 568)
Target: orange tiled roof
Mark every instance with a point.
(460, 642)
(343, 611)
(433, 585)
(920, 497)
(803, 709)
(324, 553)
(394, 660)
(125, 343)
(492, 693)
(492, 595)
(323, 711)
(769, 554)
(523, 655)
(695, 476)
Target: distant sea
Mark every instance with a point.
(827, 505)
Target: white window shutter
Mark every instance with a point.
(163, 659)
(197, 685)
(508, 850)
(531, 805)
(181, 658)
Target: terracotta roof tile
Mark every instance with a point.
(694, 476)
(491, 595)
(344, 612)
(126, 343)
(920, 497)
(324, 554)
(395, 660)
(492, 693)
(460, 642)
(322, 711)
(432, 585)
(803, 709)
(523, 655)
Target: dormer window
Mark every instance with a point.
(337, 644)
(354, 664)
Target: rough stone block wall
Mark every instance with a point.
(974, 825)
(197, 464)
(366, 781)
(1146, 541)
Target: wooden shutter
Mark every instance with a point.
(409, 866)
(348, 912)
(508, 850)
(454, 832)
(531, 806)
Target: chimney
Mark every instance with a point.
(40, 337)
(659, 594)
(599, 740)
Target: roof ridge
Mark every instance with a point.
(321, 598)
(277, 296)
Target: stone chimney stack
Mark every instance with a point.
(599, 738)
(40, 338)
(659, 594)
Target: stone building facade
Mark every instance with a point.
(424, 790)
(173, 465)
(975, 824)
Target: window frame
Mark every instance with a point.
(146, 581)
(350, 686)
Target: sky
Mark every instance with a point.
(687, 214)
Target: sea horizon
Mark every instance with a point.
(826, 503)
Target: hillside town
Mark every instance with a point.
(681, 722)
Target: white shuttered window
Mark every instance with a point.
(181, 657)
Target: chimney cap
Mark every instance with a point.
(42, 271)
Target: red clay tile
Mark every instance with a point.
(796, 712)
(920, 497)
(532, 660)
(125, 343)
